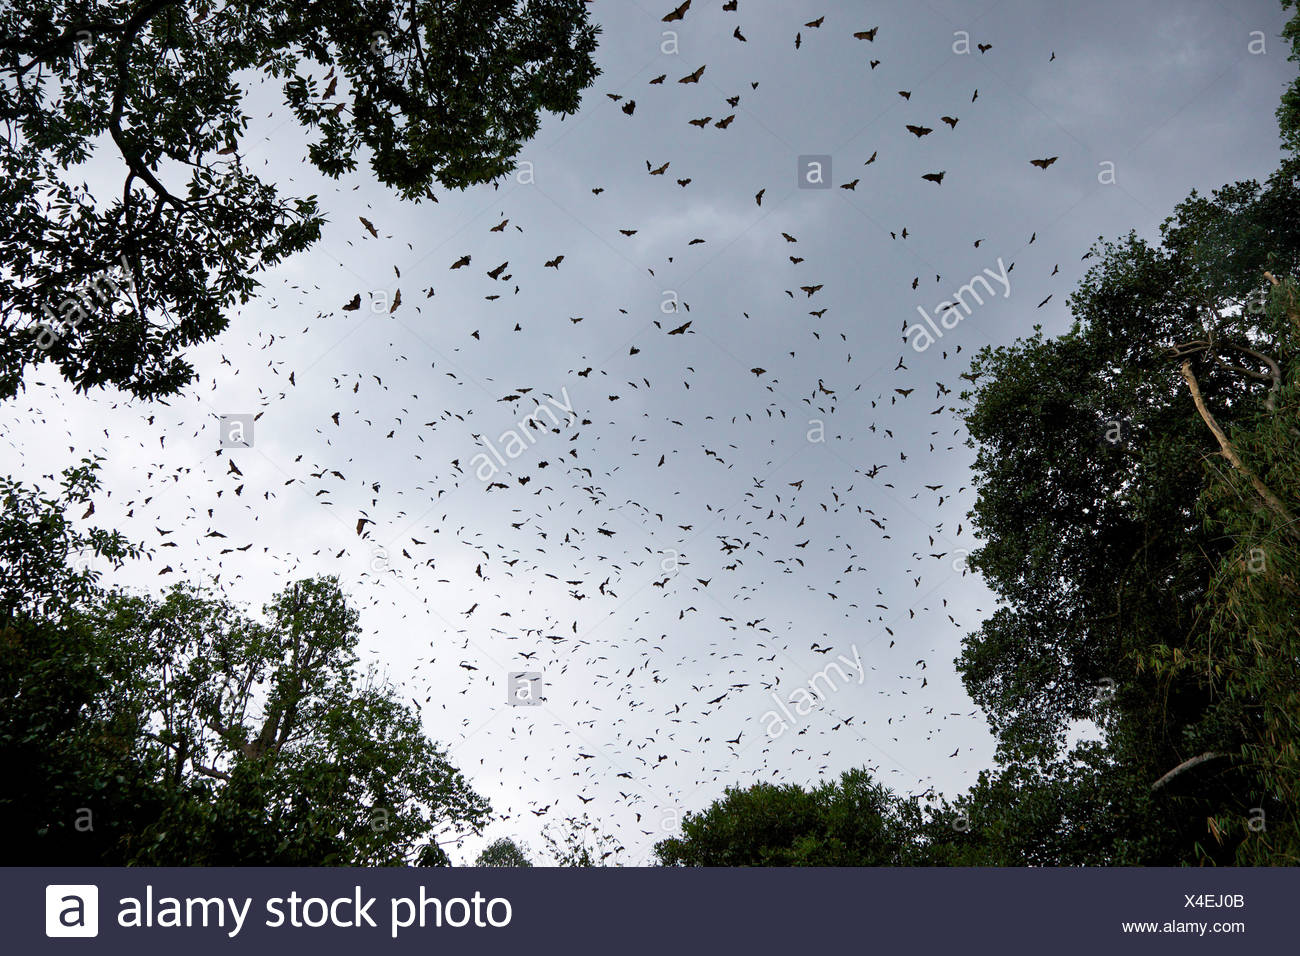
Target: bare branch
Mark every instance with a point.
(1187, 765)
(1230, 453)
(210, 772)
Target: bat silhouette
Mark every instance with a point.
(678, 13)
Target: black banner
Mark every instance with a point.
(489, 911)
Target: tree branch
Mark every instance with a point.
(1230, 453)
(131, 29)
(210, 772)
(1187, 765)
(1274, 373)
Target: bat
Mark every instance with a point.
(678, 13)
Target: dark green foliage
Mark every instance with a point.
(503, 852)
(181, 731)
(852, 822)
(1288, 114)
(114, 289)
(1248, 655)
(1098, 547)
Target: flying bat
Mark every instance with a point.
(678, 13)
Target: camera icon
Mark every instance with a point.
(524, 689)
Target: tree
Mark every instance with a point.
(1127, 472)
(1288, 114)
(503, 852)
(294, 756)
(850, 822)
(580, 842)
(1249, 653)
(179, 730)
(113, 290)
(61, 750)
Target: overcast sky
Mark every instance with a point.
(769, 421)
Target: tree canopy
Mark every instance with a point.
(114, 289)
(503, 852)
(181, 730)
(850, 822)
